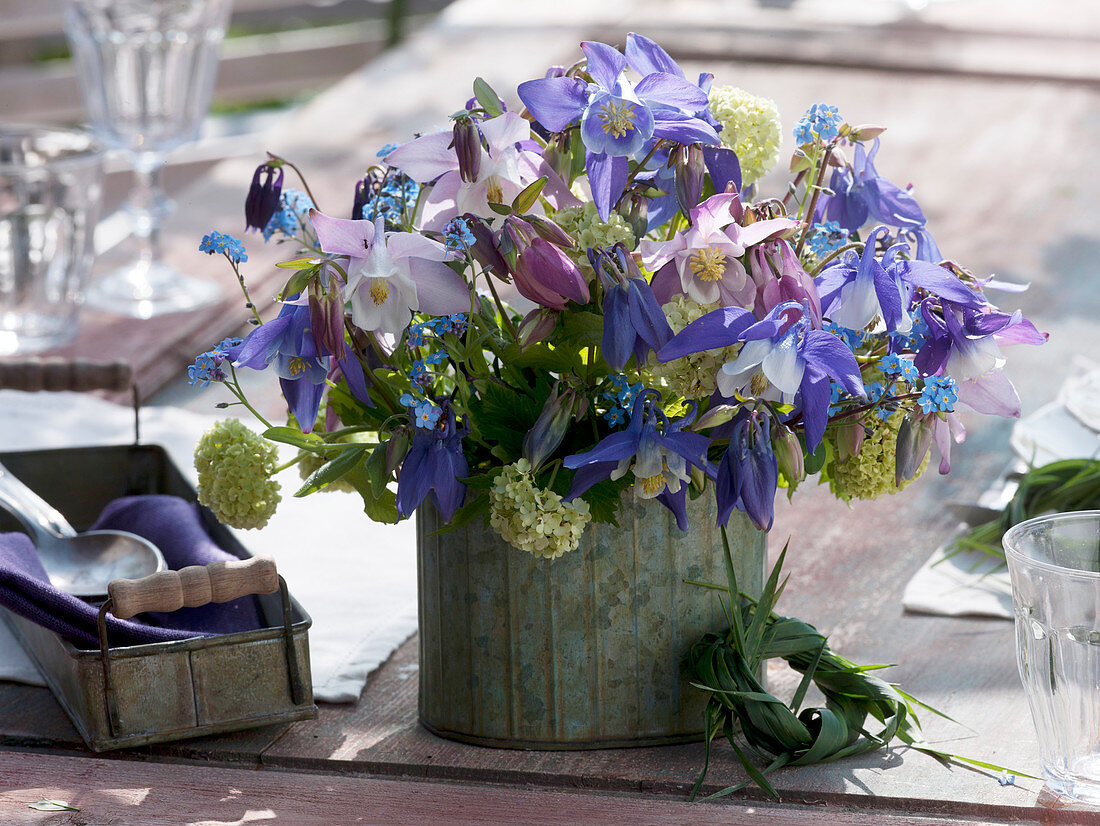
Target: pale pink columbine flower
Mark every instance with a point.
(505, 169)
(391, 275)
(703, 261)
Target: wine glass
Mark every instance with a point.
(146, 71)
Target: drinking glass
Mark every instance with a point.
(51, 181)
(1054, 562)
(146, 71)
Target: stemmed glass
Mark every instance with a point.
(146, 71)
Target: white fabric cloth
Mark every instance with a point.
(971, 583)
(356, 578)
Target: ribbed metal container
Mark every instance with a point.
(579, 652)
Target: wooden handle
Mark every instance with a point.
(193, 586)
(55, 374)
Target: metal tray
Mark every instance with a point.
(134, 695)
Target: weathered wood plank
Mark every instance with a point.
(109, 792)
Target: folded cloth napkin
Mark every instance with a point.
(172, 524)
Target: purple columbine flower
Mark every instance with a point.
(391, 274)
(782, 357)
(263, 196)
(860, 193)
(618, 118)
(287, 344)
(633, 322)
(858, 289)
(656, 450)
(748, 473)
(965, 343)
(433, 466)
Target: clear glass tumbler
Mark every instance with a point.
(146, 70)
(1054, 562)
(51, 183)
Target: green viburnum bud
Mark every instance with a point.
(235, 466)
(534, 519)
(871, 472)
(693, 376)
(584, 226)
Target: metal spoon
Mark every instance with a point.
(79, 564)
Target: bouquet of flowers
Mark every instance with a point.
(540, 311)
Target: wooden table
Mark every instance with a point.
(1002, 154)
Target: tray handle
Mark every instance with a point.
(193, 586)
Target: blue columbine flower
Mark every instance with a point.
(617, 118)
(860, 193)
(433, 466)
(782, 355)
(820, 123)
(633, 322)
(858, 289)
(748, 473)
(287, 343)
(214, 243)
(656, 450)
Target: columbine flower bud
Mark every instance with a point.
(484, 249)
(263, 197)
(690, 170)
(914, 438)
(546, 275)
(550, 231)
(788, 452)
(362, 194)
(849, 439)
(326, 320)
(396, 448)
(558, 155)
(467, 143)
(635, 209)
(536, 326)
(866, 132)
(550, 428)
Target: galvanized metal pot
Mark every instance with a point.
(579, 652)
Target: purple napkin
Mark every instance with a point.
(172, 524)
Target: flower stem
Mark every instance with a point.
(630, 178)
(298, 172)
(244, 288)
(235, 389)
(854, 245)
(818, 178)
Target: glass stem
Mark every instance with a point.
(148, 204)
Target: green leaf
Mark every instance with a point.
(529, 195)
(816, 460)
(379, 507)
(488, 99)
(500, 209)
(52, 806)
(299, 264)
(582, 329)
(332, 470)
(475, 506)
(504, 414)
(296, 284)
(376, 467)
(293, 436)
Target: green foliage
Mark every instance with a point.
(1064, 486)
(503, 414)
(760, 727)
